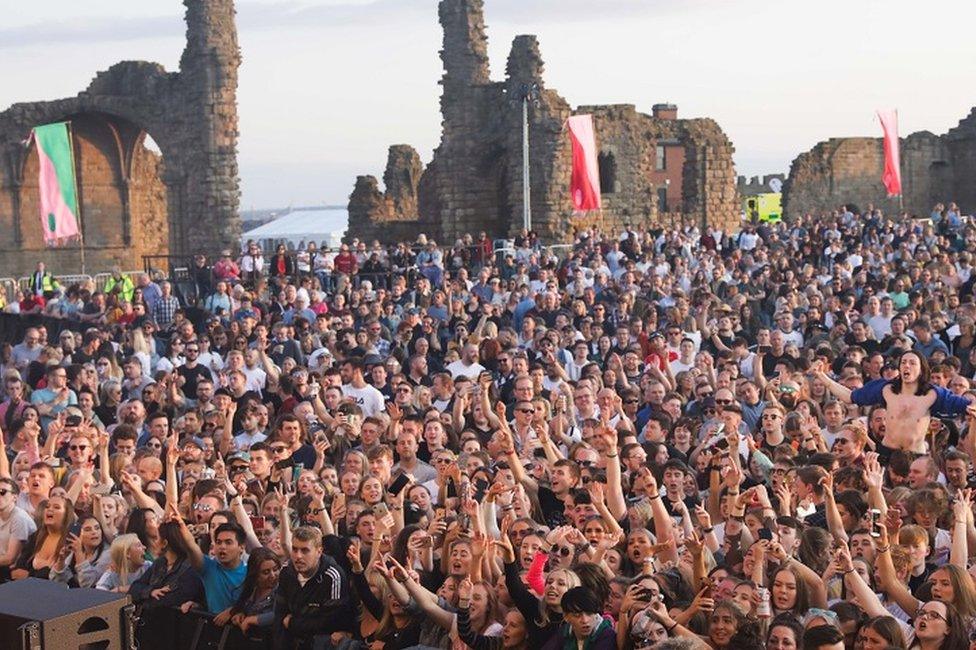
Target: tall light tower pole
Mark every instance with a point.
(527, 93)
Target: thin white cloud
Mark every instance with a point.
(292, 14)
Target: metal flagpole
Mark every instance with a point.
(527, 93)
(74, 170)
(526, 186)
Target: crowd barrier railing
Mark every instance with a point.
(163, 628)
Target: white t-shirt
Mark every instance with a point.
(19, 526)
(370, 400)
(459, 369)
(679, 366)
(256, 378)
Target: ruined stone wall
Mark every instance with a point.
(961, 145)
(133, 203)
(392, 215)
(474, 181)
(934, 169)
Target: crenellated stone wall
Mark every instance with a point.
(474, 180)
(133, 201)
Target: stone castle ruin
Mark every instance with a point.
(654, 169)
(934, 169)
(134, 201)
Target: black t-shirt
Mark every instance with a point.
(770, 360)
(192, 376)
(553, 509)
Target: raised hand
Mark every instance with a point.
(465, 588)
(703, 603)
(701, 514)
(354, 555)
(873, 472)
(962, 508)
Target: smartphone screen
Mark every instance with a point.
(480, 489)
(398, 484)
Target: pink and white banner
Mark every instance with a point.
(892, 165)
(585, 181)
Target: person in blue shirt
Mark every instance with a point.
(56, 397)
(224, 573)
(910, 402)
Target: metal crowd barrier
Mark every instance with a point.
(63, 280)
(163, 628)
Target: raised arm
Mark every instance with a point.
(962, 511)
(172, 457)
(834, 523)
(616, 504)
(663, 524)
(866, 598)
(193, 552)
(888, 578)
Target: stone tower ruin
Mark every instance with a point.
(654, 169)
(133, 201)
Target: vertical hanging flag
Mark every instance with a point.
(892, 163)
(59, 201)
(585, 182)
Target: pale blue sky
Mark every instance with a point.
(327, 85)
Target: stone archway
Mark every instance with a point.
(133, 203)
(122, 197)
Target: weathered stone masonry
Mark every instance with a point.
(934, 169)
(134, 202)
(655, 169)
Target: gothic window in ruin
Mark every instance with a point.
(608, 172)
(660, 158)
(662, 199)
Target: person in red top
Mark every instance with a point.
(226, 268)
(659, 354)
(345, 262)
(31, 304)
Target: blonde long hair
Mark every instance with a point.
(119, 554)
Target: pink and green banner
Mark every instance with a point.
(59, 200)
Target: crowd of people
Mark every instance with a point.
(661, 439)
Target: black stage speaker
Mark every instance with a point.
(44, 615)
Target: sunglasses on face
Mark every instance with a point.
(78, 447)
(278, 450)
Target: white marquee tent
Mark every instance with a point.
(324, 224)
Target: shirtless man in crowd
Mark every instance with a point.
(910, 401)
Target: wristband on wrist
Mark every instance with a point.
(671, 629)
(708, 530)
